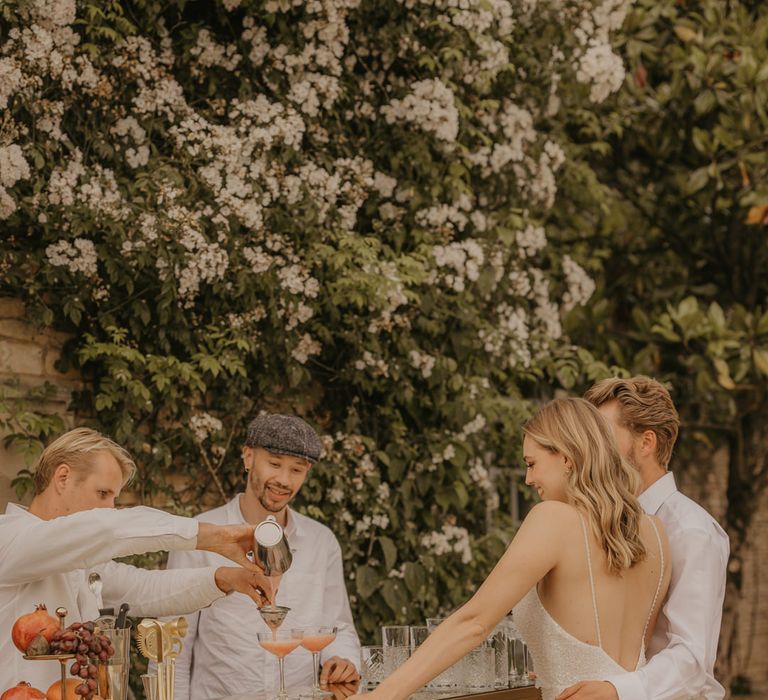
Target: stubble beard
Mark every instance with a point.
(260, 491)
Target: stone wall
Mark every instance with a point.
(29, 356)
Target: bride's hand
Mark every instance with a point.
(590, 690)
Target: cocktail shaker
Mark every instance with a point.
(270, 547)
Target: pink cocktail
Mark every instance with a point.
(316, 642)
(280, 648)
(315, 639)
(280, 644)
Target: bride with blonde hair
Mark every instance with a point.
(585, 575)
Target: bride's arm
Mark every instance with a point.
(533, 552)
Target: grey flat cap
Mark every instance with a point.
(285, 435)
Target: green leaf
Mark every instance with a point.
(390, 552)
(367, 580)
(394, 595)
(415, 577)
(723, 374)
(697, 180)
(760, 358)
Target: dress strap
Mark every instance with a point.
(592, 581)
(661, 576)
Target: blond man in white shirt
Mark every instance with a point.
(682, 651)
(220, 655)
(72, 530)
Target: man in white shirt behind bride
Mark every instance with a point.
(72, 530)
(220, 655)
(683, 648)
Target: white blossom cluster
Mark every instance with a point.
(78, 256)
(476, 425)
(450, 539)
(390, 296)
(207, 52)
(513, 126)
(531, 240)
(580, 285)
(205, 261)
(509, 339)
(138, 154)
(597, 65)
(306, 347)
(546, 313)
(380, 521)
(537, 177)
(429, 106)
(313, 67)
(94, 188)
(203, 424)
(49, 114)
(377, 366)
(480, 475)
(13, 167)
(422, 361)
(464, 260)
(448, 453)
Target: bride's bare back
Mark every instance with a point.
(624, 602)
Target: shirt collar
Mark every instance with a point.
(16, 508)
(654, 496)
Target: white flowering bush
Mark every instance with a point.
(340, 208)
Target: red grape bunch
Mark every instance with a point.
(89, 647)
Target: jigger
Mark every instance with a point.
(270, 547)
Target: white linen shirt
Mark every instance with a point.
(221, 652)
(48, 561)
(683, 649)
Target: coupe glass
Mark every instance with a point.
(280, 644)
(315, 639)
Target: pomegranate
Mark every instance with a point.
(28, 626)
(54, 692)
(22, 691)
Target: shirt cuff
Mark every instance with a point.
(188, 531)
(628, 686)
(213, 590)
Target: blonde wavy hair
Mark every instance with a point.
(601, 483)
(75, 449)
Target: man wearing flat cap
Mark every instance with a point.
(221, 655)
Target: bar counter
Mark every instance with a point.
(344, 690)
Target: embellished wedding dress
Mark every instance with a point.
(559, 659)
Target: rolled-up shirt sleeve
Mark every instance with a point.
(86, 539)
(158, 593)
(691, 616)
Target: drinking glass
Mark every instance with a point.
(315, 639)
(113, 683)
(498, 640)
(396, 642)
(479, 668)
(371, 666)
(280, 644)
(453, 676)
(520, 663)
(418, 633)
